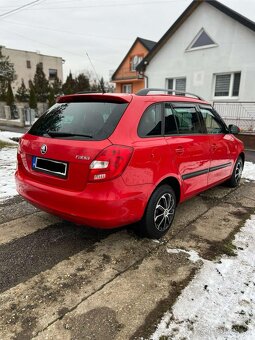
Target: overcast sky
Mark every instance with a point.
(105, 29)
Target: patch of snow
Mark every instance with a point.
(7, 169)
(249, 171)
(8, 158)
(193, 255)
(162, 241)
(219, 303)
(6, 136)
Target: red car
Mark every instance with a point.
(108, 160)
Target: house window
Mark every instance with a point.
(227, 84)
(178, 84)
(127, 88)
(202, 40)
(135, 60)
(53, 73)
(28, 64)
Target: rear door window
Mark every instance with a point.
(79, 120)
(151, 121)
(188, 121)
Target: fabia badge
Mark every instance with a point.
(43, 149)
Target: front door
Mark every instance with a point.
(221, 146)
(189, 145)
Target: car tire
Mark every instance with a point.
(236, 174)
(159, 213)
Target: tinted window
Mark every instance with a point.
(171, 120)
(79, 120)
(151, 121)
(211, 122)
(236, 84)
(203, 40)
(187, 120)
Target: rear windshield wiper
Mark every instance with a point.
(66, 134)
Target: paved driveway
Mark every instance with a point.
(61, 281)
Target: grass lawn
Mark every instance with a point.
(5, 144)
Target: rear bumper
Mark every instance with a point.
(101, 205)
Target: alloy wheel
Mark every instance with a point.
(238, 170)
(164, 212)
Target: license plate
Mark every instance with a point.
(50, 166)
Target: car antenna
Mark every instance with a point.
(100, 84)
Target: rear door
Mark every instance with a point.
(188, 145)
(221, 146)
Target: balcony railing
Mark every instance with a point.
(125, 74)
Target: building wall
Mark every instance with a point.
(235, 52)
(125, 76)
(136, 86)
(19, 58)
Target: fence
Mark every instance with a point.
(21, 115)
(241, 114)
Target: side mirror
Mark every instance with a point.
(233, 129)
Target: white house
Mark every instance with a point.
(210, 51)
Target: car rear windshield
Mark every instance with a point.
(79, 120)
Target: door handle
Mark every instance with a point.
(179, 150)
(213, 146)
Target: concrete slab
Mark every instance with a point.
(120, 287)
(29, 307)
(15, 208)
(23, 226)
(128, 307)
(243, 196)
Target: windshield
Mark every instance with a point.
(79, 120)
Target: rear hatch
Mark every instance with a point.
(61, 145)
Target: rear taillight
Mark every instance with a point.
(110, 163)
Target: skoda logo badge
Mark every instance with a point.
(43, 149)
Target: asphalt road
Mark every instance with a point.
(63, 281)
(250, 156)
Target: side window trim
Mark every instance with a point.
(218, 117)
(202, 122)
(163, 113)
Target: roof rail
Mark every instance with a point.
(172, 92)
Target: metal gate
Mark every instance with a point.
(241, 114)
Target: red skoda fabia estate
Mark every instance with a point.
(108, 160)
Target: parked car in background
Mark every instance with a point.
(108, 160)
